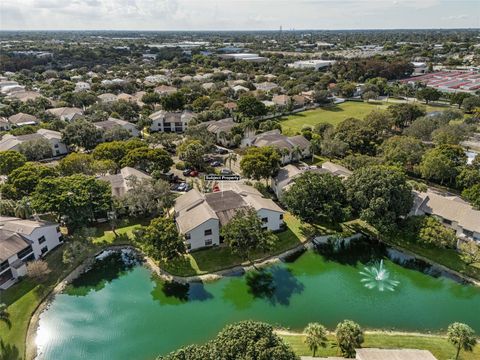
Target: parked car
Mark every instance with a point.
(193, 173)
(226, 172)
(187, 172)
(183, 187)
(215, 163)
(220, 150)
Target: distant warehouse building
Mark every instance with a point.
(245, 56)
(311, 64)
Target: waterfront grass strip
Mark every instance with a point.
(436, 344)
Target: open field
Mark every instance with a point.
(336, 114)
(437, 345)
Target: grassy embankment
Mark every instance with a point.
(438, 345)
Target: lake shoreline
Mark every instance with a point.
(31, 348)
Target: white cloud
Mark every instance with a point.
(235, 14)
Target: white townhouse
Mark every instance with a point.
(222, 129)
(199, 217)
(22, 241)
(11, 142)
(111, 123)
(175, 121)
(451, 210)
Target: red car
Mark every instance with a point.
(194, 173)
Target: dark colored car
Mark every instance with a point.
(215, 163)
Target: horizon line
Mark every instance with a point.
(245, 30)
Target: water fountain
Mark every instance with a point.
(378, 277)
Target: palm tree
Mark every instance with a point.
(222, 136)
(461, 336)
(315, 336)
(296, 153)
(284, 152)
(4, 315)
(232, 157)
(23, 209)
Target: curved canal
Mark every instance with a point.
(120, 311)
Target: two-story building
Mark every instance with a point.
(170, 121)
(451, 210)
(11, 142)
(112, 123)
(199, 217)
(22, 241)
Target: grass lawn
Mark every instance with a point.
(292, 124)
(23, 298)
(437, 345)
(218, 258)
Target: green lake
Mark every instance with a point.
(122, 312)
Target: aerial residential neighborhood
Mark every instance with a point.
(241, 180)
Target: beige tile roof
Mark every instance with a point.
(394, 354)
(22, 118)
(194, 217)
(24, 227)
(452, 208)
(11, 244)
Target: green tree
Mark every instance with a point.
(469, 252)
(76, 163)
(244, 340)
(380, 195)
(36, 149)
(467, 177)
(160, 239)
(24, 179)
(147, 159)
(315, 197)
(349, 337)
(260, 162)
(250, 106)
(79, 198)
(457, 98)
(403, 150)
(244, 234)
(315, 337)
(172, 102)
(359, 137)
(472, 194)
(116, 150)
(4, 315)
(192, 152)
(442, 163)
(116, 133)
(434, 233)
(471, 103)
(147, 196)
(405, 114)
(81, 133)
(11, 160)
(201, 103)
(429, 94)
(461, 336)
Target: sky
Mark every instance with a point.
(237, 14)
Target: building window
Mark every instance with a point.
(58, 229)
(24, 252)
(468, 233)
(44, 250)
(447, 222)
(265, 220)
(4, 265)
(56, 146)
(281, 216)
(208, 242)
(189, 246)
(41, 239)
(208, 232)
(187, 236)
